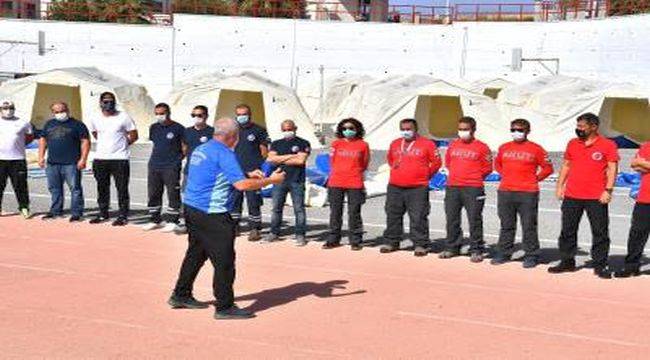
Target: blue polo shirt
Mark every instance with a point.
(213, 169)
(193, 138)
(251, 136)
(167, 149)
(64, 141)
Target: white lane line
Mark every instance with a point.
(36, 268)
(524, 329)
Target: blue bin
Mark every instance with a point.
(438, 182)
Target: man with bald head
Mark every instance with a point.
(290, 154)
(213, 175)
(67, 143)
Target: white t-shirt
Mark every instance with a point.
(112, 142)
(12, 138)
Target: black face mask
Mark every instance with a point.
(108, 106)
(581, 134)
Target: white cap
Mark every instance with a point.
(6, 103)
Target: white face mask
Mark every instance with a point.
(242, 119)
(161, 118)
(61, 116)
(518, 136)
(8, 113)
(407, 134)
(199, 120)
(288, 134)
(464, 134)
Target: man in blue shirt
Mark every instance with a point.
(165, 169)
(290, 153)
(213, 177)
(251, 152)
(195, 135)
(67, 143)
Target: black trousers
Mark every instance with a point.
(638, 236)
(254, 202)
(472, 199)
(120, 170)
(158, 181)
(16, 171)
(356, 198)
(525, 204)
(598, 215)
(210, 236)
(415, 202)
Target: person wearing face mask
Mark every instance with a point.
(290, 154)
(165, 169)
(197, 134)
(15, 133)
(585, 184)
(413, 160)
(114, 132)
(468, 162)
(67, 143)
(349, 158)
(251, 151)
(214, 173)
(522, 164)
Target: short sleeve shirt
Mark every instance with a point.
(193, 138)
(167, 149)
(294, 174)
(112, 141)
(644, 191)
(248, 147)
(64, 141)
(587, 176)
(12, 138)
(213, 169)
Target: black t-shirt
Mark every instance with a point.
(167, 145)
(295, 174)
(251, 136)
(64, 141)
(193, 138)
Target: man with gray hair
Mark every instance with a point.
(213, 175)
(15, 133)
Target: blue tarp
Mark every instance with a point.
(628, 179)
(624, 143)
(438, 182)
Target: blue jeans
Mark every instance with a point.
(280, 192)
(69, 174)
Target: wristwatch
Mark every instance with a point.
(609, 190)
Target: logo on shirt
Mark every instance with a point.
(197, 158)
(203, 139)
(465, 154)
(597, 156)
(170, 135)
(519, 155)
(295, 148)
(251, 137)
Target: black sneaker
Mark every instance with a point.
(448, 254)
(254, 235)
(120, 221)
(420, 251)
(476, 257)
(563, 266)
(75, 218)
(602, 272)
(388, 248)
(499, 259)
(331, 245)
(233, 313)
(99, 219)
(186, 303)
(628, 271)
(356, 247)
(529, 262)
(49, 216)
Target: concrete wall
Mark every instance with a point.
(290, 51)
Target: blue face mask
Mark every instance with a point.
(242, 119)
(349, 133)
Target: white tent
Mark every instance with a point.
(271, 103)
(80, 88)
(553, 103)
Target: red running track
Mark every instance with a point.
(88, 291)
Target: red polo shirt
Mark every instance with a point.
(587, 176)
(412, 164)
(644, 191)
(519, 162)
(348, 160)
(468, 163)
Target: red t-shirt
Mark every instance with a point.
(412, 164)
(468, 163)
(644, 191)
(519, 162)
(587, 176)
(348, 160)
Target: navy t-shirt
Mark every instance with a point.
(167, 145)
(295, 174)
(251, 136)
(64, 141)
(194, 138)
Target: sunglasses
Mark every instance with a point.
(196, 115)
(517, 130)
(349, 128)
(8, 108)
